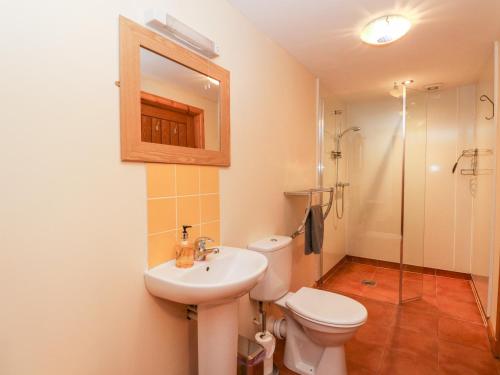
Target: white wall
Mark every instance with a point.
(450, 122)
(273, 150)
(73, 237)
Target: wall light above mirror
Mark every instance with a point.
(174, 103)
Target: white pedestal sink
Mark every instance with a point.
(214, 286)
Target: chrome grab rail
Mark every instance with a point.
(309, 193)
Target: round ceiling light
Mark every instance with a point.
(385, 30)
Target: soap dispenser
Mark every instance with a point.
(184, 251)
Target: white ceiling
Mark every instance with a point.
(449, 42)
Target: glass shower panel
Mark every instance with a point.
(334, 240)
(482, 187)
(371, 148)
(414, 194)
(375, 174)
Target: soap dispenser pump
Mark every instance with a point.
(184, 252)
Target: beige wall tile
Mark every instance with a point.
(209, 207)
(160, 180)
(187, 206)
(188, 210)
(161, 215)
(212, 230)
(161, 248)
(187, 179)
(209, 179)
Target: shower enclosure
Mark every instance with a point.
(380, 179)
(405, 210)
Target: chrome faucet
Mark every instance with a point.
(200, 248)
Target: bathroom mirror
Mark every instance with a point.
(179, 106)
(174, 103)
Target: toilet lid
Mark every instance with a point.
(327, 308)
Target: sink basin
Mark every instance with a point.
(214, 286)
(227, 275)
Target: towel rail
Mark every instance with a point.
(309, 194)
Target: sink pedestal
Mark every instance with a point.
(218, 338)
(214, 286)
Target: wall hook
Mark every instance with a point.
(484, 98)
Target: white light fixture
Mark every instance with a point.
(385, 30)
(182, 33)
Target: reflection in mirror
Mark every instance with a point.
(179, 106)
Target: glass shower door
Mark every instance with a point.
(375, 160)
(383, 169)
(332, 115)
(413, 188)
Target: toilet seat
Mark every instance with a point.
(326, 308)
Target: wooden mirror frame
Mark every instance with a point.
(132, 38)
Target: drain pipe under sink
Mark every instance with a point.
(266, 338)
(277, 326)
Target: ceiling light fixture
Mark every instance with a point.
(385, 30)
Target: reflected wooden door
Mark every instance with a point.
(168, 122)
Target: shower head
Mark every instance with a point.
(351, 129)
(338, 153)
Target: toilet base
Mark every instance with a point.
(307, 358)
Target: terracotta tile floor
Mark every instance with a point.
(441, 333)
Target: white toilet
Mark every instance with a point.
(317, 323)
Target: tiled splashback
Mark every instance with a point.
(180, 195)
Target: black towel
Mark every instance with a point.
(314, 230)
